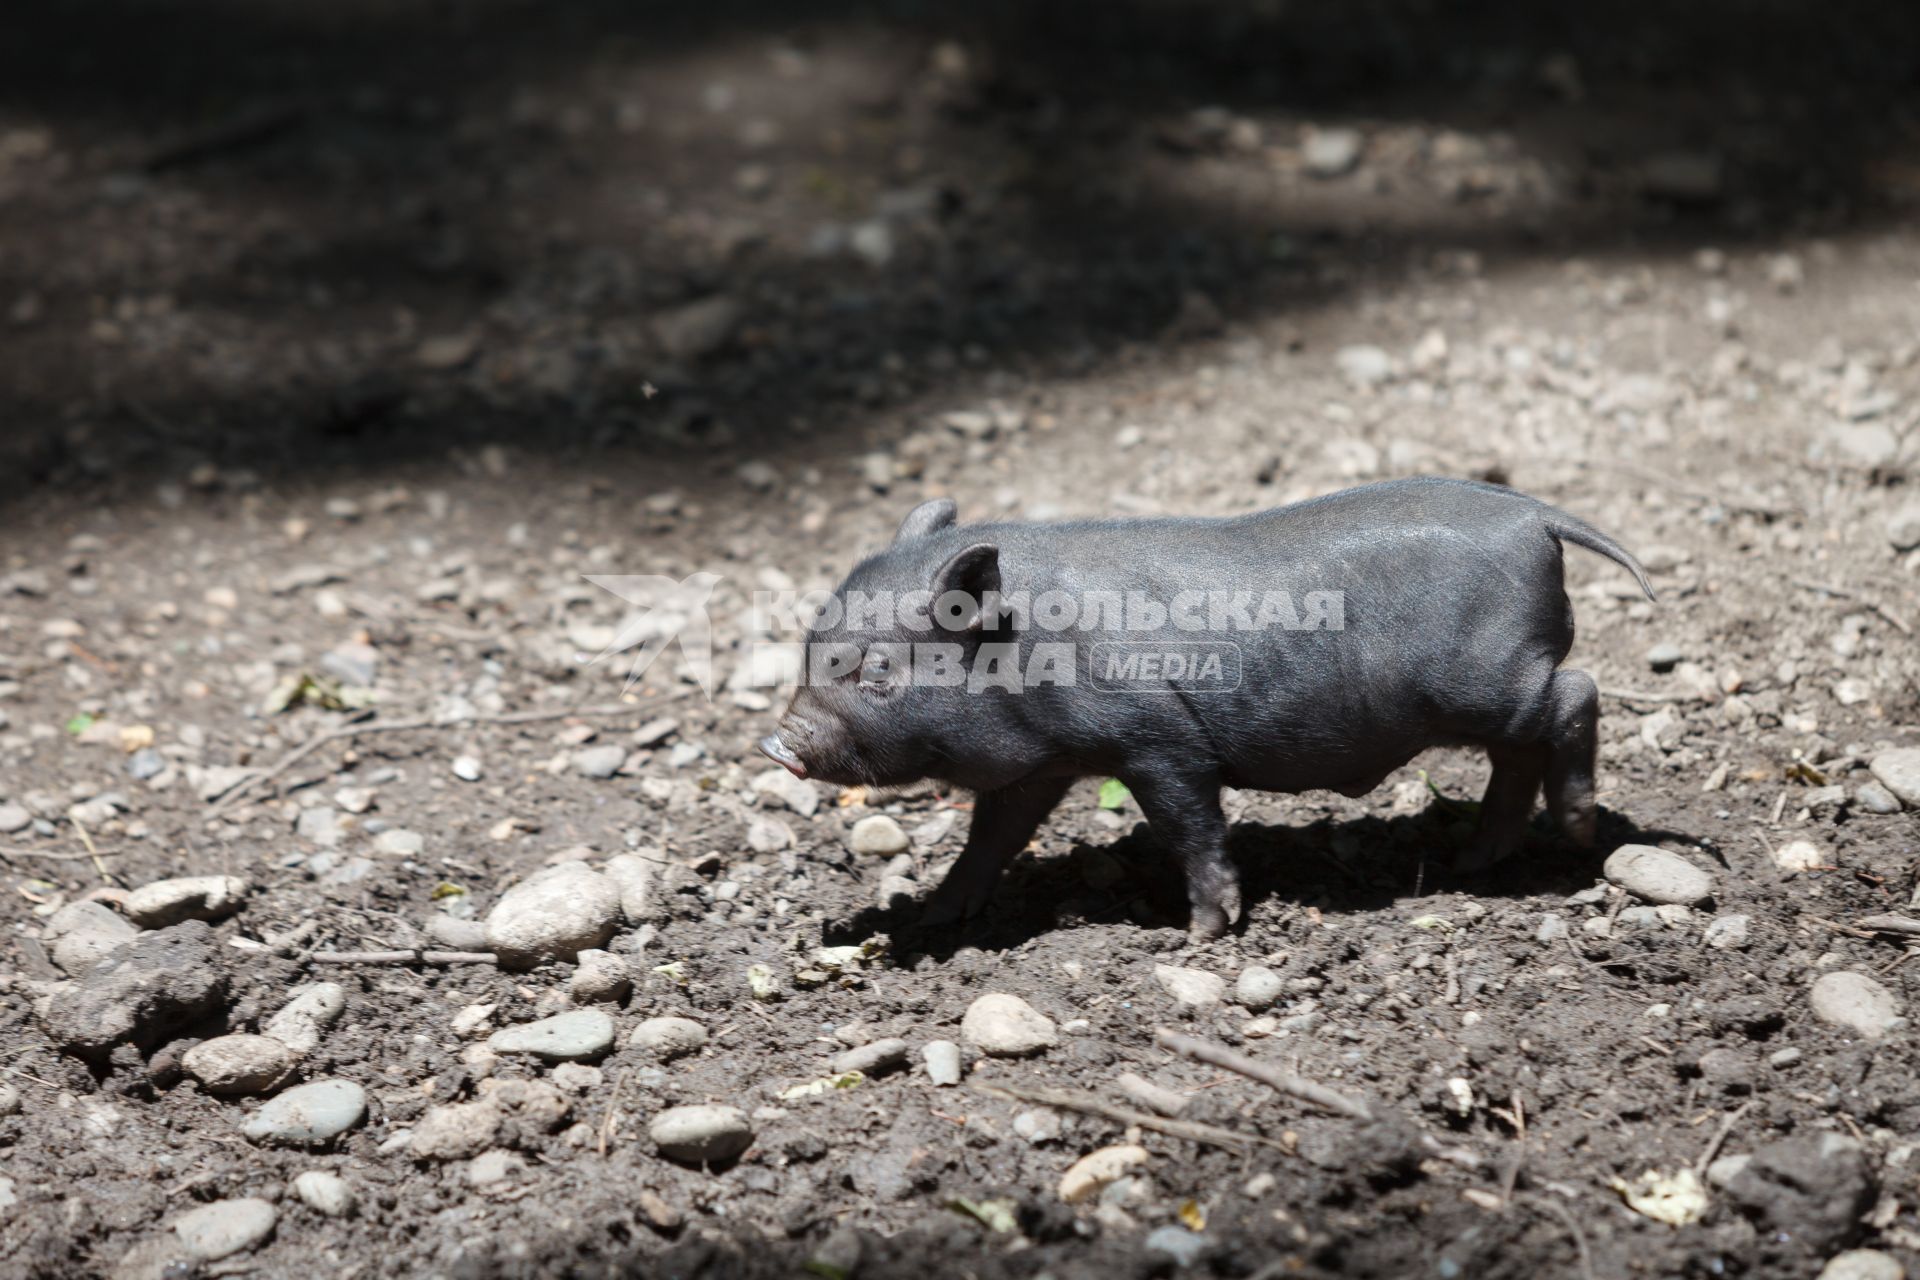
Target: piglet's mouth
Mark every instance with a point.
(777, 751)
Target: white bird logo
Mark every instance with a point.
(666, 610)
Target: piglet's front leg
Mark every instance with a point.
(1004, 820)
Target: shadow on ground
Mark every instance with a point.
(301, 238)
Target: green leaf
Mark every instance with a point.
(80, 724)
(827, 1270)
(1114, 793)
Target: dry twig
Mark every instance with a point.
(1720, 1137)
(1293, 1086)
(232, 795)
(402, 957)
(1088, 1104)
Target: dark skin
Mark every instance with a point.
(1454, 620)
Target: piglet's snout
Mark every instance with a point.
(776, 749)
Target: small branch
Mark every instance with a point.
(1842, 593)
(1088, 1104)
(1572, 1225)
(402, 957)
(1890, 924)
(1720, 1137)
(92, 852)
(227, 799)
(1293, 1086)
(1634, 695)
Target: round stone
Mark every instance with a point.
(1657, 875)
(303, 1019)
(81, 934)
(1863, 1264)
(165, 902)
(1091, 1173)
(1258, 987)
(668, 1038)
(701, 1135)
(1004, 1026)
(324, 1192)
(943, 1062)
(239, 1064)
(879, 835)
(872, 1059)
(225, 1227)
(1854, 1002)
(309, 1113)
(554, 915)
(1899, 772)
(581, 1035)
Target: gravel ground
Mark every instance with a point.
(343, 345)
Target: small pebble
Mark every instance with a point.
(1657, 875)
(1665, 657)
(554, 914)
(1258, 987)
(303, 1019)
(1553, 928)
(82, 933)
(1854, 1002)
(599, 762)
(1800, 855)
(701, 1135)
(1005, 1026)
(1863, 1264)
(878, 835)
(1729, 933)
(581, 1035)
(1875, 798)
(165, 902)
(467, 769)
(1092, 1173)
(1191, 988)
(873, 1059)
(668, 1038)
(1898, 771)
(308, 1113)
(601, 977)
(324, 1192)
(225, 1227)
(239, 1064)
(1178, 1243)
(943, 1062)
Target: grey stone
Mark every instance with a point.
(324, 1192)
(601, 977)
(877, 835)
(1854, 1002)
(1192, 988)
(1657, 875)
(308, 1114)
(669, 1037)
(1258, 987)
(701, 1135)
(82, 933)
(165, 902)
(943, 1062)
(239, 1064)
(1553, 928)
(307, 1015)
(14, 819)
(872, 1059)
(1729, 933)
(554, 914)
(1875, 798)
(1005, 1026)
(1332, 152)
(225, 1227)
(142, 993)
(1183, 1246)
(599, 762)
(1903, 527)
(1364, 366)
(1898, 771)
(1665, 656)
(398, 842)
(583, 1035)
(1863, 1264)
(633, 874)
(695, 330)
(796, 794)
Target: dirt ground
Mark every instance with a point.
(341, 342)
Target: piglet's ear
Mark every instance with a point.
(961, 586)
(925, 519)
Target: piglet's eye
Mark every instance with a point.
(874, 669)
